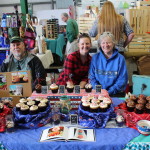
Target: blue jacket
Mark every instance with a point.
(110, 73)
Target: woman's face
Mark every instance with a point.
(107, 45)
(84, 45)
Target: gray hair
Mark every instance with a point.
(65, 15)
(104, 35)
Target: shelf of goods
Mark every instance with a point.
(85, 23)
(143, 4)
(52, 28)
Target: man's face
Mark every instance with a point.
(64, 18)
(17, 49)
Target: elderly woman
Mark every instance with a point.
(108, 67)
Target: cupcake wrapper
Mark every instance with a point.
(147, 111)
(130, 109)
(88, 90)
(94, 110)
(54, 91)
(139, 111)
(70, 90)
(24, 112)
(103, 109)
(42, 108)
(34, 112)
(38, 90)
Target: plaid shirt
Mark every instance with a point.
(74, 69)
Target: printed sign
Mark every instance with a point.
(62, 89)
(44, 89)
(73, 119)
(77, 89)
(98, 88)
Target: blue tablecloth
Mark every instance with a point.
(106, 139)
(56, 45)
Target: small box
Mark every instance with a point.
(141, 84)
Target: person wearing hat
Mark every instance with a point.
(20, 60)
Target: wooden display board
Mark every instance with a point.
(15, 85)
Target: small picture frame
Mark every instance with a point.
(98, 88)
(44, 89)
(62, 89)
(73, 119)
(77, 89)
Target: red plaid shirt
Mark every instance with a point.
(74, 69)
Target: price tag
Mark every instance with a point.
(44, 89)
(73, 119)
(77, 89)
(62, 89)
(98, 88)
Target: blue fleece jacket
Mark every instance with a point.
(110, 73)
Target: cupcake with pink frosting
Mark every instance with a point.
(103, 107)
(94, 107)
(107, 101)
(54, 88)
(86, 105)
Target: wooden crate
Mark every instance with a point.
(143, 4)
(139, 20)
(140, 43)
(85, 24)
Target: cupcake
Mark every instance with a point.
(139, 108)
(15, 79)
(1, 107)
(130, 106)
(38, 88)
(103, 107)
(45, 100)
(147, 108)
(70, 87)
(148, 98)
(127, 100)
(101, 97)
(120, 120)
(133, 97)
(37, 100)
(30, 103)
(94, 107)
(86, 105)
(88, 87)
(107, 101)
(21, 77)
(84, 98)
(141, 96)
(24, 109)
(25, 79)
(90, 96)
(54, 88)
(141, 101)
(33, 109)
(42, 107)
(18, 106)
(23, 100)
(95, 100)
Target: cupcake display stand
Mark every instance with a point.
(32, 121)
(94, 120)
(131, 117)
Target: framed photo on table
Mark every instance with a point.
(15, 84)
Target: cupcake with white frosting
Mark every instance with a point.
(88, 88)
